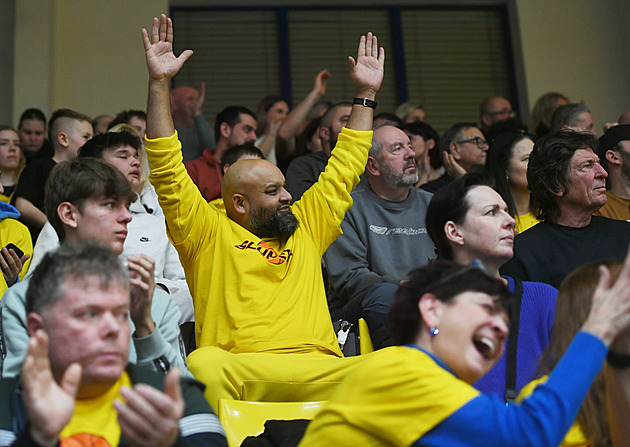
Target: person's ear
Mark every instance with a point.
(453, 148)
(430, 308)
(373, 166)
(33, 323)
(241, 204)
(324, 133)
(68, 214)
(486, 120)
(63, 139)
(613, 157)
(430, 143)
(225, 130)
(453, 233)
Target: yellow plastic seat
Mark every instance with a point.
(241, 419)
(365, 341)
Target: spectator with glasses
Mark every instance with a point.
(494, 109)
(463, 146)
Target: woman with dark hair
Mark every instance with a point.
(278, 129)
(507, 160)
(11, 161)
(33, 138)
(468, 221)
(451, 322)
(426, 145)
(594, 425)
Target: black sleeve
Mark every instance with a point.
(31, 185)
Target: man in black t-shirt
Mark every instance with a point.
(568, 185)
(68, 131)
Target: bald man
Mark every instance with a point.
(262, 321)
(194, 131)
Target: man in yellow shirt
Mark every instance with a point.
(255, 269)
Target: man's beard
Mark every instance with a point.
(397, 180)
(269, 224)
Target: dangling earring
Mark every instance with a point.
(433, 331)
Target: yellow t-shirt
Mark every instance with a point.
(526, 221)
(575, 436)
(95, 421)
(252, 294)
(395, 397)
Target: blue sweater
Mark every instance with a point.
(534, 332)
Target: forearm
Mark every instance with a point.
(291, 125)
(361, 117)
(542, 419)
(159, 118)
(30, 214)
(267, 143)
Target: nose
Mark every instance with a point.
(500, 326)
(110, 325)
(124, 215)
(135, 162)
(510, 222)
(600, 171)
(285, 196)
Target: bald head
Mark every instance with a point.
(624, 118)
(183, 100)
(253, 192)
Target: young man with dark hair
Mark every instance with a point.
(235, 125)
(68, 131)
(88, 200)
(146, 232)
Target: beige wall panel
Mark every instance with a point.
(577, 47)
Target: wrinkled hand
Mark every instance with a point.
(150, 417)
(197, 106)
(161, 60)
(142, 282)
(319, 86)
(451, 166)
(11, 265)
(610, 311)
(49, 405)
(367, 70)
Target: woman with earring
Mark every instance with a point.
(450, 323)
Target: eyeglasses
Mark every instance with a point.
(480, 142)
(507, 112)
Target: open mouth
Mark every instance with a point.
(486, 347)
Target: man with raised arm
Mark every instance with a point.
(255, 269)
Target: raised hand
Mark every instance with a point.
(197, 106)
(151, 417)
(367, 70)
(319, 86)
(142, 282)
(610, 311)
(49, 405)
(161, 61)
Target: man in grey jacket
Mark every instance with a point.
(88, 200)
(384, 235)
